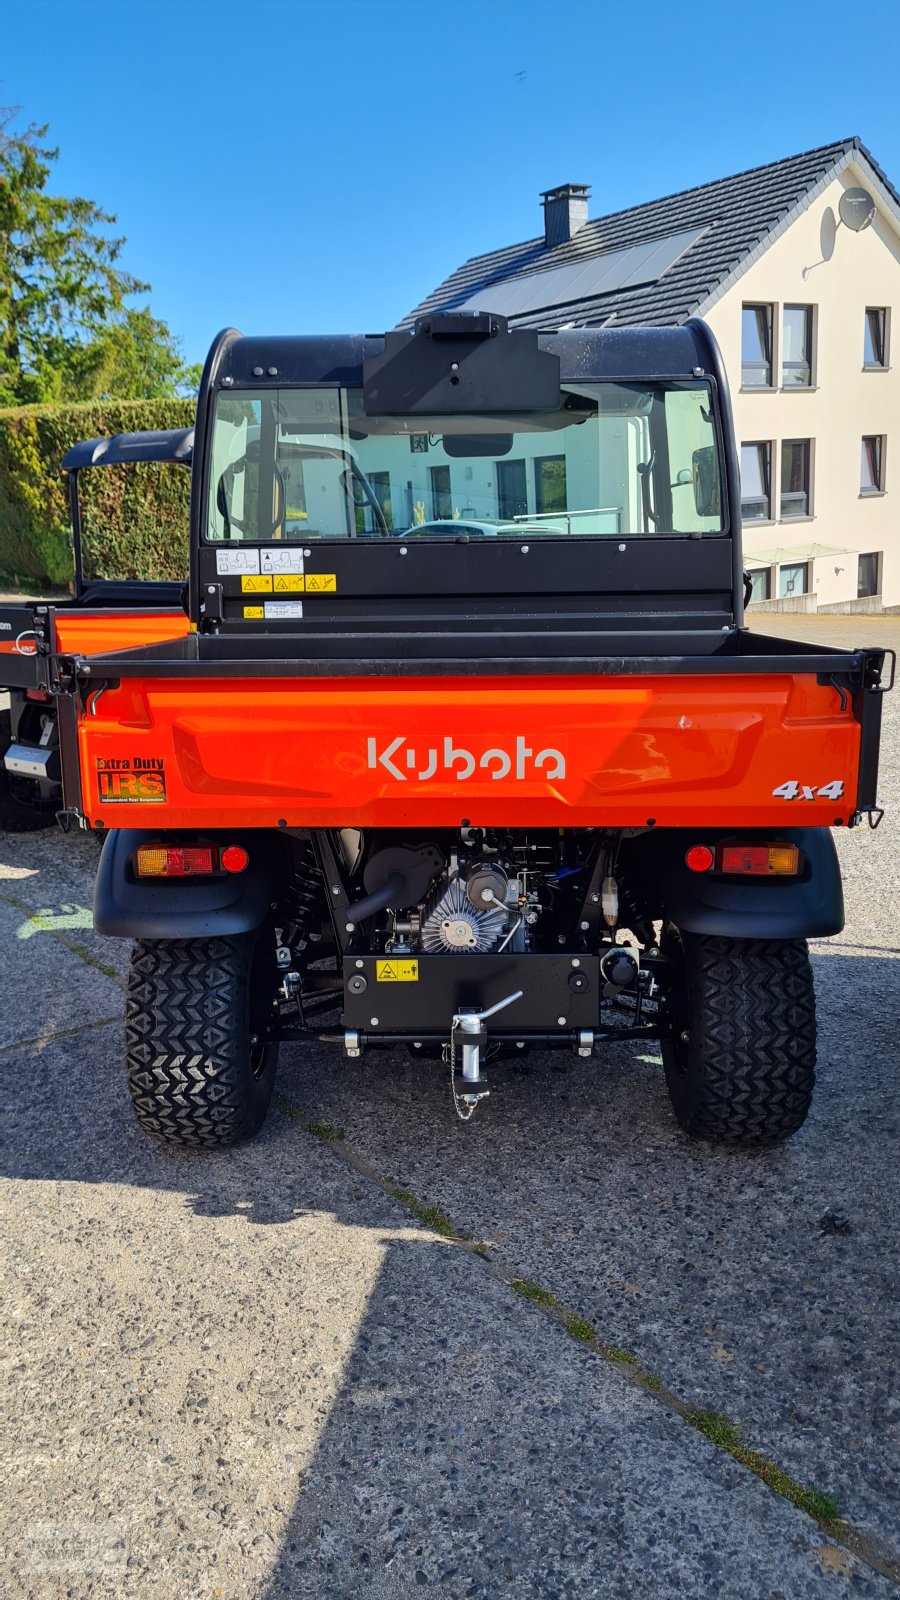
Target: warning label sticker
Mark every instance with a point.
(254, 611)
(282, 561)
(123, 781)
(396, 972)
(287, 583)
(234, 563)
(281, 610)
(321, 582)
(258, 584)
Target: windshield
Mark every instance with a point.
(614, 459)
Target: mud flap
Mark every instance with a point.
(128, 907)
(806, 907)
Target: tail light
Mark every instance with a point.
(700, 858)
(760, 860)
(234, 858)
(173, 860)
(745, 860)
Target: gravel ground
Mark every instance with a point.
(251, 1375)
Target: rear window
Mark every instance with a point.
(612, 460)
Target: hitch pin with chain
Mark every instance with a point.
(470, 1024)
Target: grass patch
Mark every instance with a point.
(721, 1431)
(579, 1328)
(822, 1504)
(651, 1380)
(323, 1131)
(432, 1216)
(529, 1290)
(618, 1352)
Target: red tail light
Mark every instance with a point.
(699, 858)
(173, 860)
(234, 858)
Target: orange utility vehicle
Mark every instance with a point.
(468, 749)
(103, 614)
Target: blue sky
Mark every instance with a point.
(313, 165)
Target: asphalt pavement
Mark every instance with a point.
(261, 1374)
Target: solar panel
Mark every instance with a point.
(583, 280)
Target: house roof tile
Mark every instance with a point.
(737, 215)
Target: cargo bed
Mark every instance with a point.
(206, 729)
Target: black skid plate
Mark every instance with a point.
(407, 993)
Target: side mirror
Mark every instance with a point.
(705, 471)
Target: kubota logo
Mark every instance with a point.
(460, 763)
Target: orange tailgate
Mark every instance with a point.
(427, 752)
(80, 633)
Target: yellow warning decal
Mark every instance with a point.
(256, 583)
(396, 972)
(321, 582)
(286, 583)
(254, 611)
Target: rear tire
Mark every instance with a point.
(739, 1036)
(195, 1077)
(21, 808)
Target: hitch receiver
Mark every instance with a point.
(470, 1085)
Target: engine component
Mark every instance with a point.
(487, 886)
(451, 923)
(415, 866)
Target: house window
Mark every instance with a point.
(441, 498)
(795, 478)
(381, 488)
(756, 482)
(875, 341)
(760, 584)
(550, 483)
(756, 347)
(796, 347)
(793, 580)
(868, 575)
(871, 465)
(512, 492)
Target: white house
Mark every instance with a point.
(796, 267)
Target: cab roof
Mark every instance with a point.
(586, 355)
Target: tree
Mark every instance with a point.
(66, 329)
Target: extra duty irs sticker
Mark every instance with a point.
(127, 780)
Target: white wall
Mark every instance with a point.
(840, 273)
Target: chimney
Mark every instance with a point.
(565, 211)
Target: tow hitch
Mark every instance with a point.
(470, 1085)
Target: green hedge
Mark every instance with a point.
(135, 519)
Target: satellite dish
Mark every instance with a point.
(856, 209)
